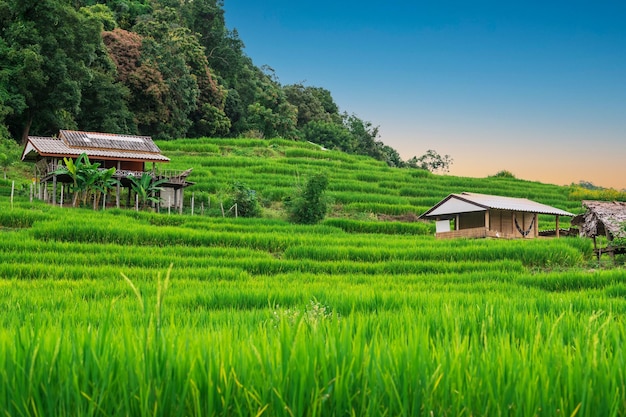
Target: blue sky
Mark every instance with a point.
(536, 88)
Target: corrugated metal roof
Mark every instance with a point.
(46, 146)
(108, 141)
(468, 202)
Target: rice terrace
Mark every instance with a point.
(131, 311)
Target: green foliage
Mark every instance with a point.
(577, 192)
(431, 161)
(504, 174)
(310, 105)
(310, 206)
(245, 199)
(146, 188)
(329, 135)
(163, 68)
(90, 182)
(46, 69)
(10, 153)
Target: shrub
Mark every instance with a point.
(504, 174)
(246, 200)
(311, 206)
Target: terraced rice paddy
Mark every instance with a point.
(135, 313)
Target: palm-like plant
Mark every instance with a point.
(104, 183)
(88, 179)
(146, 188)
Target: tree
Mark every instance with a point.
(330, 135)
(431, 161)
(9, 154)
(271, 113)
(310, 206)
(195, 102)
(48, 50)
(146, 85)
(365, 135)
(104, 100)
(309, 106)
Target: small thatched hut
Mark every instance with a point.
(603, 218)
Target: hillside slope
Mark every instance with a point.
(359, 186)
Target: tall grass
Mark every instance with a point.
(261, 317)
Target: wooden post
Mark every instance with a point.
(558, 232)
(54, 189)
(456, 222)
(136, 202)
(487, 225)
(12, 192)
(536, 219)
(169, 204)
(62, 191)
(117, 187)
(193, 201)
(513, 228)
(181, 201)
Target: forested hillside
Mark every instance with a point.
(164, 68)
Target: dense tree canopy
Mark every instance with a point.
(165, 68)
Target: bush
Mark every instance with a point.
(246, 200)
(311, 206)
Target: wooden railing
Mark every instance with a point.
(46, 168)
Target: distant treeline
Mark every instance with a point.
(163, 68)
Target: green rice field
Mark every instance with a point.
(124, 313)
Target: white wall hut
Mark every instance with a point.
(476, 215)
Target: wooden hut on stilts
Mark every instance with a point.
(130, 155)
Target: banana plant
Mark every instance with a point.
(86, 177)
(146, 188)
(104, 183)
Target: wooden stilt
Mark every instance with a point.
(54, 189)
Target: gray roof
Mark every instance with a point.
(133, 148)
(108, 141)
(472, 202)
(602, 217)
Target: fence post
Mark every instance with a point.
(12, 191)
(193, 202)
